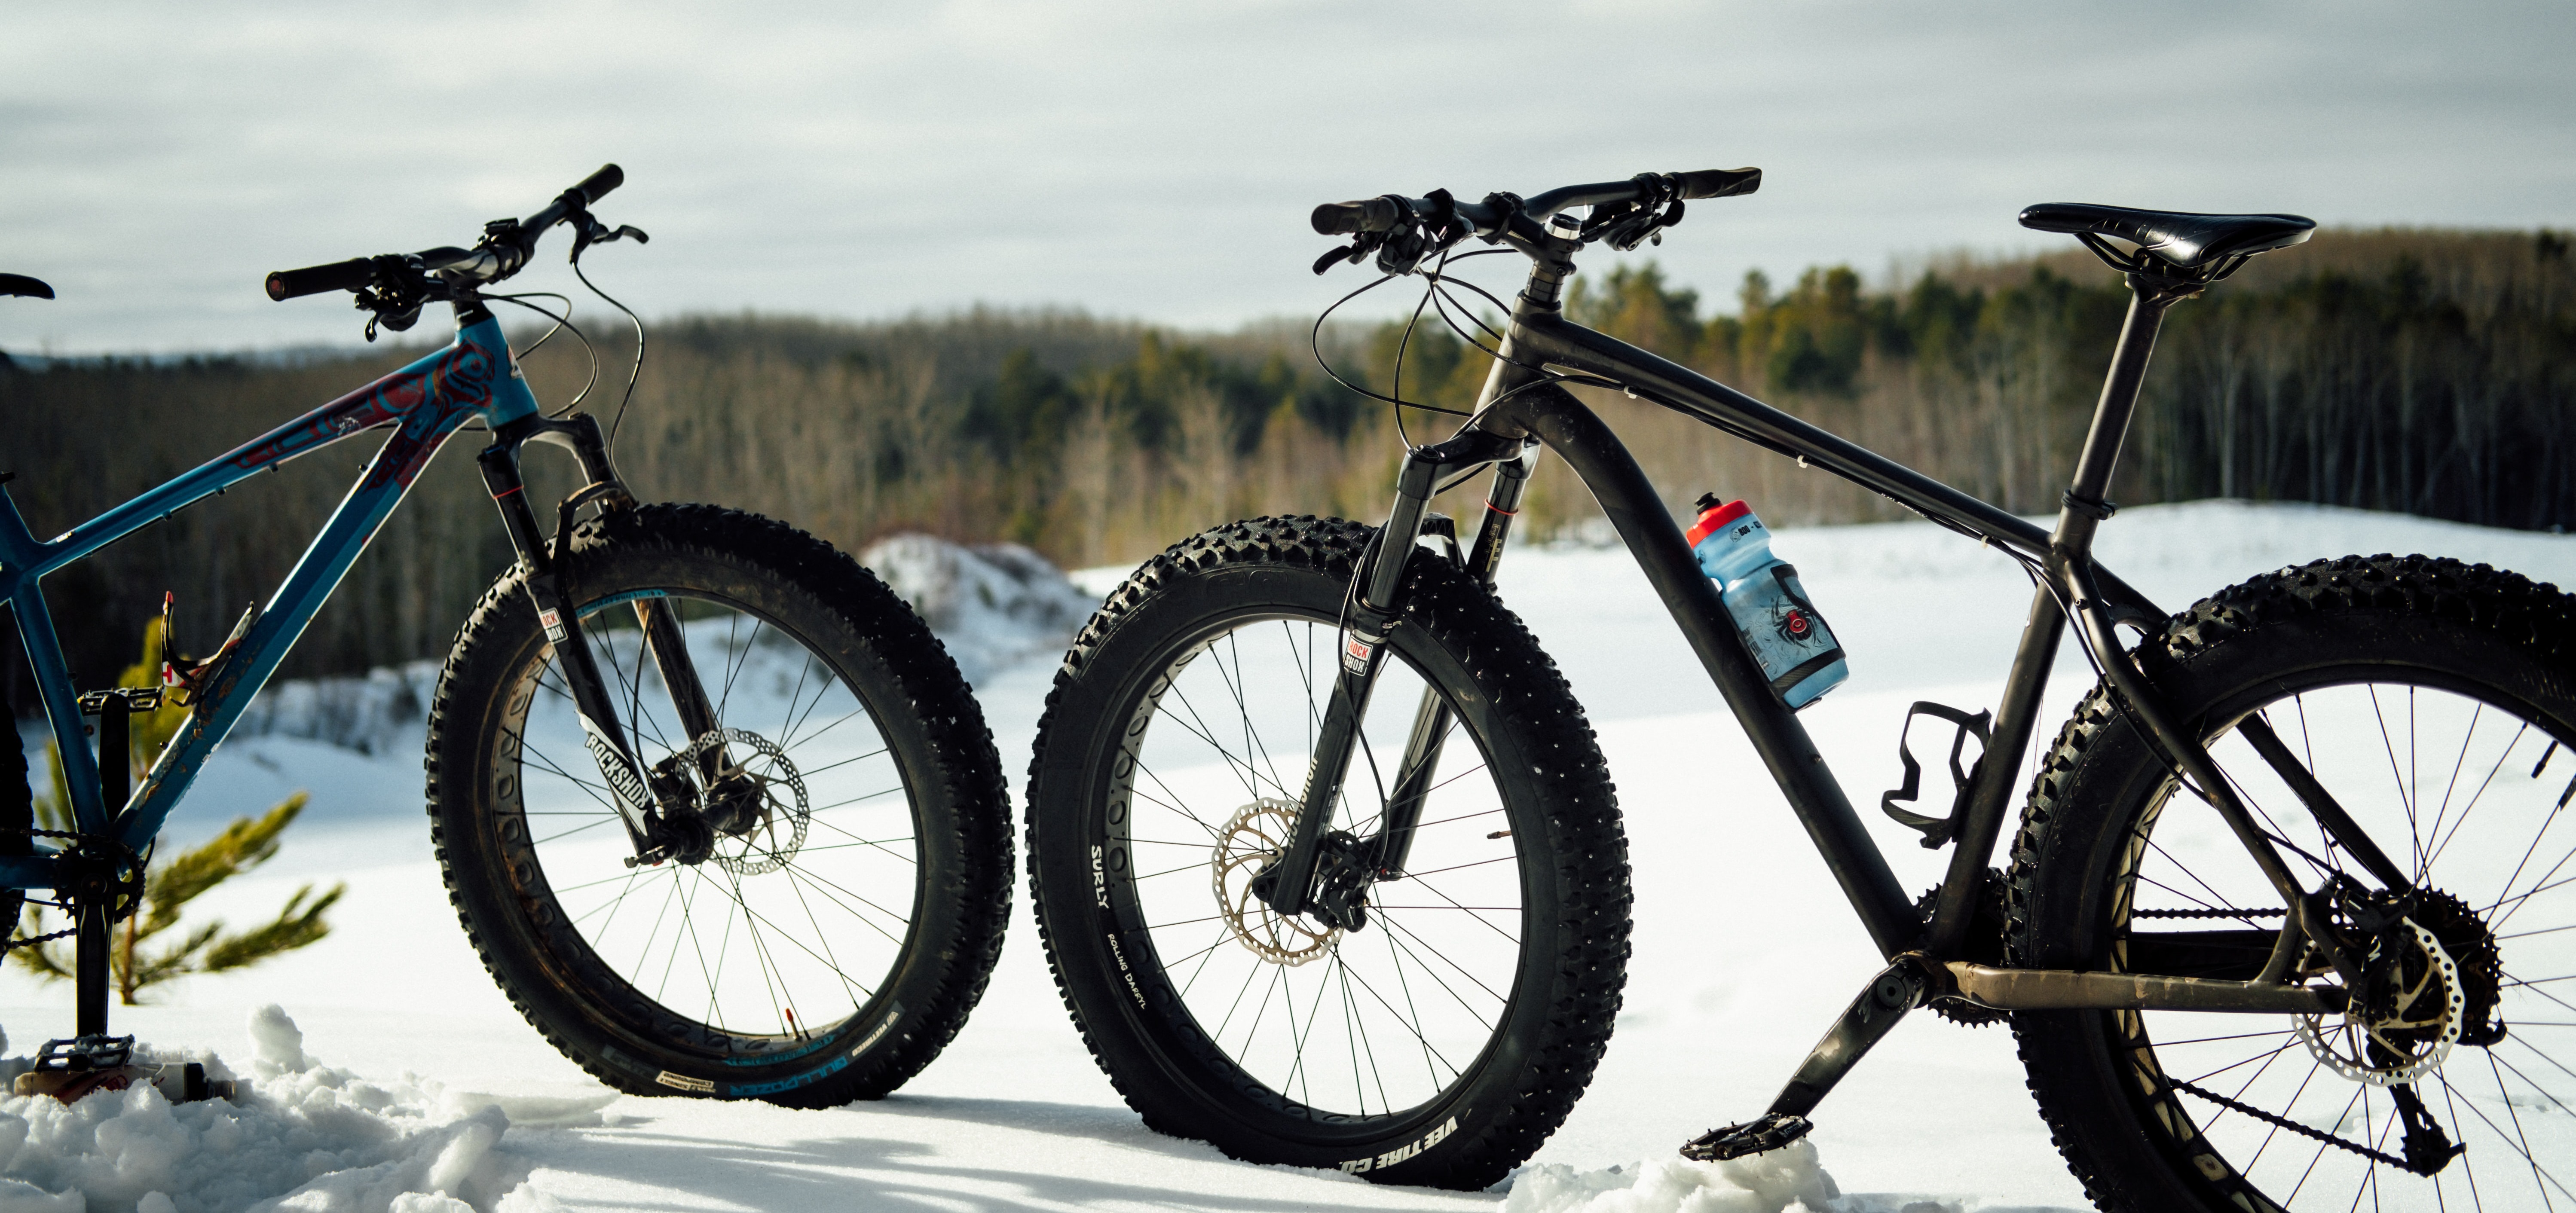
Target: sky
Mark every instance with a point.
(1157, 159)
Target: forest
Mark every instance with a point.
(2429, 372)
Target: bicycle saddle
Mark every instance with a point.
(2185, 239)
(20, 284)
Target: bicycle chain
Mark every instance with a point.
(2293, 1126)
(2218, 912)
(134, 886)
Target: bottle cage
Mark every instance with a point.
(1937, 831)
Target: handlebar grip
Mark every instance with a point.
(1720, 182)
(349, 275)
(1345, 218)
(596, 186)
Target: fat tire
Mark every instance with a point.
(920, 703)
(1542, 1057)
(2470, 625)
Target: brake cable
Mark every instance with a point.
(562, 322)
(583, 238)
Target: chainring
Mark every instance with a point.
(1984, 945)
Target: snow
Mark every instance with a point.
(994, 604)
(1776, 1182)
(300, 1136)
(1743, 953)
(380, 712)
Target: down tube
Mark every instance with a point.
(1605, 465)
(387, 479)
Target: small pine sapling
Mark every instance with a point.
(168, 887)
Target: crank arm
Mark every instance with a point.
(1899, 988)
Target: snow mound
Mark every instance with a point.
(992, 604)
(378, 712)
(1786, 1180)
(303, 1136)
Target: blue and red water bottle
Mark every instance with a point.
(1797, 652)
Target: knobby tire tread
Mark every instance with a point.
(1594, 923)
(968, 763)
(2534, 623)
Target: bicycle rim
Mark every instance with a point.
(1316, 1022)
(797, 920)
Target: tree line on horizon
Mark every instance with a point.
(2428, 372)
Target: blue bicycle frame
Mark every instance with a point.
(423, 403)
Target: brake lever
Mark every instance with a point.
(1357, 251)
(588, 230)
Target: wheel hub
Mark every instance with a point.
(755, 795)
(1251, 841)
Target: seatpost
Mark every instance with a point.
(2084, 506)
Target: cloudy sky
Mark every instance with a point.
(1157, 159)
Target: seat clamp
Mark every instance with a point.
(2098, 511)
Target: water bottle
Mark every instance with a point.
(1797, 652)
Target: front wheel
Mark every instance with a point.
(2435, 703)
(1440, 1039)
(833, 938)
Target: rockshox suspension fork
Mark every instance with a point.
(657, 830)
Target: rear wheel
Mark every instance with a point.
(852, 905)
(1440, 1040)
(2435, 703)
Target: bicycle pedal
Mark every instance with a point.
(71, 1069)
(1761, 1135)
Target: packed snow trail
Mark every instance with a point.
(1743, 951)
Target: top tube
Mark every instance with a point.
(433, 394)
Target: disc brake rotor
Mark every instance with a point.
(2413, 1028)
(1252, 841)
(780, 833)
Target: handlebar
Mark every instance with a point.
(506, 247)
(1386, 213)
(350, 275)
(1720, 182)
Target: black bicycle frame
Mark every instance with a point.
(1522, 407)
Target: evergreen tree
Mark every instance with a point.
(169, 887)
